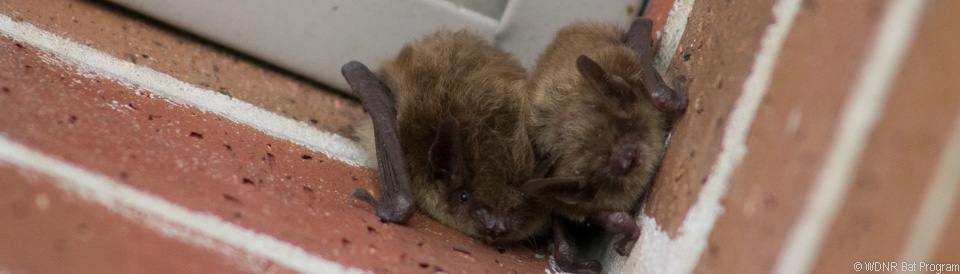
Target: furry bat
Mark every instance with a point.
(449, 119)
(601, 111)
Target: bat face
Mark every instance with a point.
(618, 137)
(474, 178)
(490, 213)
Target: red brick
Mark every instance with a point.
(658, 11)
(209, 164)
(903, 152)
(814, 74)
(719, 63)
(46, 230)
(129, 36)
(946, 250)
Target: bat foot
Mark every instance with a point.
(669, 100)
(619, 222)
(365, 196)
(625, 245)
(565, 251)
(398, 211)
(680, 98)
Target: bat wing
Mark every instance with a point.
(396, 204)
(664, 98)
(567, 190)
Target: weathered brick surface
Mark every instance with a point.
(145, 42)
(791, 134)
(903, 153)
(718, 63)
(46, 230)
(209, 164)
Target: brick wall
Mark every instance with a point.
(821, 136)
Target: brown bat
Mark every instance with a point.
(449, 119)
(601, 113)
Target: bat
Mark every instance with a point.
(450, 118)
(602, 113)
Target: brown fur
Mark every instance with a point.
(458, 74)
(581, 125)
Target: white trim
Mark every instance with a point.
(672, 32)
(167, 219)
(102, 64)
(315, 37)
(893, 38)
(658, 253)
(528, 26)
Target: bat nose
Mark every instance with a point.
(492, 225)
(623, 158)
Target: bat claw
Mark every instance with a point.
(619, 222)
(398, 213)
(365, 196)
(625, 245)
(680, 93)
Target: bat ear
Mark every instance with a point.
(445, 154)
(609, 85)
(567, 190)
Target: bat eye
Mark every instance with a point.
(625, 126)
(464, 197)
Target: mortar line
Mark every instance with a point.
(99, 64)
(660, 253)
(938, 205)
(672, 32)
(166, 218)
(822, 204)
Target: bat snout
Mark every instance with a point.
(623, 157)
(492, 225)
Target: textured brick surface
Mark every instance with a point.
(790, 136)
(718, 63)
(209, 164)
(902, 155)
(142, 41)
(48, 231)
